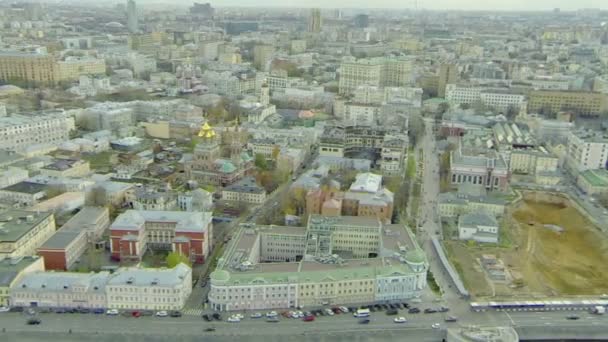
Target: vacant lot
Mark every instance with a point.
(572, 262)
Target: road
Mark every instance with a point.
(338, 327)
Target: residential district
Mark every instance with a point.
(438, 175)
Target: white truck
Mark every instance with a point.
(598, 310)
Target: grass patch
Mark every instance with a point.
(98, 160)
(410, 171)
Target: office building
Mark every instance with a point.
(448, 74)
(18, 132)
(30, 67)
(21, 232)
(132, 20)
(69, 243)
(187, 233)
(334, 260)
(314, 21)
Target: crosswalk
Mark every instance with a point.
(193, 312)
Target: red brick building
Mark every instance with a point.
(188, 233)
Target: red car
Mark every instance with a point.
(135, 313)
(308, 318)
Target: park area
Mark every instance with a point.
(553, 249)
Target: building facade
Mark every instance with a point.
(18, 132)
(583, 103)
(24, 231)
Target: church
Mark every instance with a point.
(207, 165)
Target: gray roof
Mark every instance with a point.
(16, 223)
(63, 281)
(246, 185)
(10, 268)
(479, 218)
(145, 277)
(26, 187)
(61, 239)
(184, 221)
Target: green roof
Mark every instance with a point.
(227, 167)
(597, 178)
(415, 256)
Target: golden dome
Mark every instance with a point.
(206, 131)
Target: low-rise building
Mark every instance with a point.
(12, 175)
(452, 204)
(67, 168)
(593, 182)
(335, 260)
(68, 244)
(23, 193)
(195, 200)
(587, 150)
(188, 233)
(12, 271)
(532, 161)
(149, 289)
(246, 190)
(478, 226)
(21, 232)
(151, 198)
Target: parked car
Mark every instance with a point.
(162, 314)
(400, 320)
(175, 314)
(59, 310)
(234, 319)
(429, 310)
(111, 312)
(4, 309)
(451, 319)
(308, 318)
(344, 309)
(392, 312)
(34, 321)
(206, 317)
(413, 310)
(98, 311)
(84, 310)
(272, 314)
(329, 312)
(435, 326)
(16, 309)
(256, 315)
(136, 314)
(217, 316)
(443, 309)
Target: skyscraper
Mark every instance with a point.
(132, 24)
(314, 21)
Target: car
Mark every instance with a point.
(136, 314)
(329, 312)
(84, 311)
(34, 321)
(147, 313)
(400, 306)
(217, 316)
(364, 321)
(209, 329)
(48, 310)
(111, 312)
(572, 317)
(344, 309)
(308, 318)
(175, 314)
(451, 319)
(392, 312)
(255, 315)
(30, 312)
(98, 311)
(72, 310)
(233, 319)
(443, 309)
(288, 314)
(162, 314)
(429, 311)
(271, 314)
(400, 320)
(4, 309)
(435, 326)
(413, 310)
(206, 317)
(272, 319)
(59, 310)
(336, 310)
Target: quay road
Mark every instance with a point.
(78, 327)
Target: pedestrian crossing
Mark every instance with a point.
(193, 312)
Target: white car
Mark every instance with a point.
(256, 315)
(272, 314)
(435, 326)
(162, 314)
(233, 319)
(239, 316)
(344, 309)
(112, 312)
(329, 312)
(4, 309)
(400, 320)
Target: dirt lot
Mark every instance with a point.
(572, 262)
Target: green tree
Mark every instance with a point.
(260, 161)
(174, 259)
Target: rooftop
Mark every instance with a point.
(16, 223)
(64, 281)
(184, 221)
(246, 185)
(480, 218)
(367, 182)
(26, 187)
(142, 276)
(10, 268)
(61, 239)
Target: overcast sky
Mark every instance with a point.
(515, 5)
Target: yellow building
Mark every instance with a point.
(24, 231)
(583, 103)
(71, 69)
(12, 271)
(28, 67)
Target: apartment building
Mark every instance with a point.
(12, 271)
(69, 243)
(587, 150)
(125, 289)
(28, 67)
(334, 260)
(532, 161)
(72, 68)
(453, 204)
(378, 72)
(19, 132)
(501, 99)
(23, 231)
(188, 233)
(448, 74)
(149, 289)
(580, 102)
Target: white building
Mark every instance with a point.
(500, 99)
(18, 132)
(587, 151)
(478, 226)
(12, 175)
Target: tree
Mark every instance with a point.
(511, 112)
(275, 153)
(173, 259)
(416, 129)
(260, 162)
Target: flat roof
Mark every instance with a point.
(16, 223)
(26, 187)
(61, 240)
(11, 267)
(146, 276)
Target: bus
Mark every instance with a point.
(361, 313)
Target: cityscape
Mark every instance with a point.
(305, 171)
